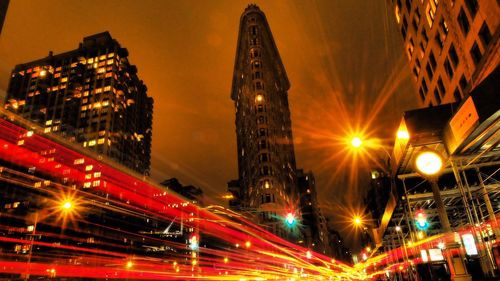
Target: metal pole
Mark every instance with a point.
(443, 216)
(28, 265)
(484, 251)
(487, 202)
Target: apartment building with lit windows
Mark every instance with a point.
(451, 45)
(267, 180)
(91, 96)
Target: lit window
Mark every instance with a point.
(98, 91)
(97, 174)
(48, 122)
(89, 168)
(79, 161)
(88, 176)
(86, 185)
(64, 79)
(20, 142)
(47, 130)
(110, 55)
(109, 74)
(96, 183)
(430, 12)
(92, 143)
(91, 60)
(103, 57)
(398, 14)
(101, 70)
(100, 141)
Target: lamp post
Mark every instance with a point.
(429, 164)
(65, 207)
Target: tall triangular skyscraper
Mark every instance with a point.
(267, 184)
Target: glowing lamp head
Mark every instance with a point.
(129, 264)
(67, 206)
(248, 244)
(43, 73)
(402, 134)
(357, 221)
(429, 163)
(356, 142)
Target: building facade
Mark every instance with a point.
(91, 96)
(314, 224)
(451, 45)
(266, 159)
(4, 4)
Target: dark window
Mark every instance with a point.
(424, 86)
(408, 5)
(448, 68)
(260, 108)
(472, 6)
(437, 97)
(463, 22)
(261, 120)
(404, 27)
(415, 24)
(268, 198)
(463, 83)
(254, 30)
(415, 73)
(256, 65)
(422, 95)
(417, 64)
(425, 37)
(457, 95)
(258, 75)
(263, 144)
(485, 34)
(263, 158)
(429, 71)
(262, 132)
(432, 60)
(439, 41)
(453, 55)
(441, 87)
(475, 53)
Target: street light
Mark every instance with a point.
(356, 142)
(357, 221)
(429, 163)
(67, 206)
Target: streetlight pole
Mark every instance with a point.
(430, 164)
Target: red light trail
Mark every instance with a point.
(88, 218)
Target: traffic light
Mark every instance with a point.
(421, 220)
(194, 242)
(290, 219)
